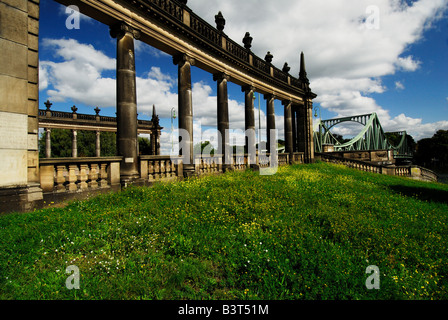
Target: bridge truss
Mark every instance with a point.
(371, 137)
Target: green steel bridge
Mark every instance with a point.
(371, 137)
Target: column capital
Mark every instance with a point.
(247, 88)
(119, 29)
(221, 76)
(286, 102)
(183, 58)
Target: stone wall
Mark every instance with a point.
(19, 93)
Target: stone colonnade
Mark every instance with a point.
(298, 118)
(74, 143)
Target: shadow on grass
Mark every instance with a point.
(422, 193)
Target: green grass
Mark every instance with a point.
(307, 232)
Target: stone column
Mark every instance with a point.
(294, 127)
(288, 128)
(74, 144)
(152, 143)
(270, 125)
(98, 144)
(249, 121)
(223, 119)
(302, 131)
(127, 141)
(309, 143)
(158, 142)
(48, 143)
(184, 63)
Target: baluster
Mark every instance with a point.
(156, 170)
(72, 177)
(201, 164)
(168, 168)
(208, 165)
(93, 176)
(83, 176)
(173, 168)
(60, 179)
(103, 175)
(150, 171)
(162, 169)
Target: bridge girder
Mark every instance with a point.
(371, 137)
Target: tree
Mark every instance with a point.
(203, 148)
(433, 152)
(144, 146)
(61, 143)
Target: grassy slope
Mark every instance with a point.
(308, 232)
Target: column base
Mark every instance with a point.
(227, 168)
(21, 198)
(189, 171)
(127, 181)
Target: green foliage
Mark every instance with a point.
(307, 232)
(433, 152)
(144, 146)
(61, 143)
(204, 148)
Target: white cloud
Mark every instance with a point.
(399, 85)
(407, 64)
(79, 76)
(345, 59)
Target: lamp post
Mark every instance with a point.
(173, 116)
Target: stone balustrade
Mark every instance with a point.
(208, 165)
(298, 157)
(60, 175)
(402, 171)
(160, 168)
(410, 171)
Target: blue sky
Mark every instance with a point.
(397, 69)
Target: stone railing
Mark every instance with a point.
(79, 174)
(283, 159)
(402, 171)
(206, 165)
(411, 171)
(351, 163)
(240, 161)
(180, 17)
(297, 157)
(428, 175)
(214, 164)
(160, 168)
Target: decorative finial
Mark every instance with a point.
(155, 118)
(74, 109)
(48, 104)
(97, 110)
(220, 21)
(268, 57)
(247, 40)
(302, 73)
(286, 68)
